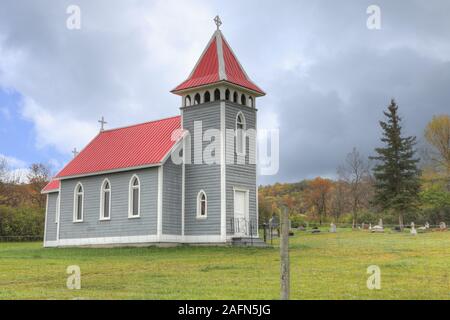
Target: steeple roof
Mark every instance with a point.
(216, 64)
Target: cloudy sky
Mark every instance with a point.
(328, 77)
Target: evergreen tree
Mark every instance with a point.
(396, 175)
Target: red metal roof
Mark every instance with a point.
(218, 63)
(52, 186)
(134, 146)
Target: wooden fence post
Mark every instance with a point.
(284, 255)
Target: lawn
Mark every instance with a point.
(323, 266)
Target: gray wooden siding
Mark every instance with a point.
(120, 224)
(51, 226)
(201, 176)
(171, 210)
(239, 175)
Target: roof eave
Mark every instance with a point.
(204, 86)
(49, 191)
(98, 173)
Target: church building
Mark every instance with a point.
(190, 178)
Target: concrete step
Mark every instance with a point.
(249, 242)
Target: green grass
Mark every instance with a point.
(323, 266)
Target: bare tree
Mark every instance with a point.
(356, 173)
(3, 169)
(38, 177)
(339, 202)
(437, 134)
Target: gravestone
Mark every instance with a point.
(332, 228)
(413, 229)
(378, 228)
(274, 226)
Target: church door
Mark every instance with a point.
(241, 222)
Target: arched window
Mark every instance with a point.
(216, 95)
(250, 102)
(187, 101)
(243, 100)
(240, 133)
(202, 205)
(78, 203)
(134, 198)
(227, 95)
(207, 96)
(105, 200)
(235, 97)
(197, 99)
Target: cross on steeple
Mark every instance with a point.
(102, 122)
(218, 22)
(75, 152)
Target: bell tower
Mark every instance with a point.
(219, 199)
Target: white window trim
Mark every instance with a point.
(75, 203)
(199, 216)
(130, 198)
(244, 136)
(102, 200)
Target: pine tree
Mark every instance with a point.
(396, 174)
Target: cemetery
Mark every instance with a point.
(328, 262)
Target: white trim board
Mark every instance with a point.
(223, 183)
(160, 202)
(136, 240)
(45, 220)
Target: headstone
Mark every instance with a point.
(413, 229)
(424, 228)
(442, 226)
(274, 226)
(379, 227)
(274, 222)
(332, 228)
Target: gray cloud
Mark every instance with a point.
(327, 76)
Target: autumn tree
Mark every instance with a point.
(355, 172)
(339, 199)
(396, 175)
(3, 178)
(318, 195)
(38, 177)
(437, 134)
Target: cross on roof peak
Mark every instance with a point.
(102, 122)
(75, 152)
(218, 22)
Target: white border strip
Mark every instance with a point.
(160, 200)
(223, 184)
(213, 239)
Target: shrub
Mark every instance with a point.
(297, 221)
(21, 222)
